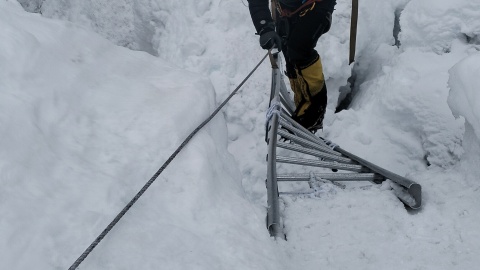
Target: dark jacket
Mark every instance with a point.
(260, 12)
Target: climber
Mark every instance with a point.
(299, 24)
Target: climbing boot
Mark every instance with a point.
(312, 91)
(310, 113)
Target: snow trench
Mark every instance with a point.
(93, 120)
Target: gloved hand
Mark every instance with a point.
(270, 39)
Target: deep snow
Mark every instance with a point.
(85, 124)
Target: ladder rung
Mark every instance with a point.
(318, 163)
(312, 152)
(296, 193)
(292, 122)
(307, 143)
(304, 135)
(330, 176)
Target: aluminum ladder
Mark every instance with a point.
(325, 155)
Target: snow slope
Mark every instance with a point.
(81, 150)
(84, 125)
(400, 119)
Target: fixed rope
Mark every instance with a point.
(155, 176)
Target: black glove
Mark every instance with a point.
(270, 39)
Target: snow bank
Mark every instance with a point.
(410, 82)
(400, 119)
(434, 24)
(376, 21)
(84, 125)
(464, 98)
(128, 23)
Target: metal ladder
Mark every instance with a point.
(325, 155)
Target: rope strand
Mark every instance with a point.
(155, 176)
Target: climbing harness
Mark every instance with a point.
(325, 154)
(307, 6)
(155, 176)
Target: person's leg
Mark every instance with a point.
(283, 25)
(310, 92)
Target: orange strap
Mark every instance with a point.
(283, 12)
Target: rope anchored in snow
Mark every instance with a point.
(274, 108)
(155, 176)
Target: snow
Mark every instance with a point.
(96, 95)
(428, 24)
(464, 95)
(84, 125)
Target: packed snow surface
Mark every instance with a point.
(96, 95)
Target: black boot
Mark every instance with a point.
(313, 111)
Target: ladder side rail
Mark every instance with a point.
(414, 189)
(273, 211)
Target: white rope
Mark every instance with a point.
(275, 108)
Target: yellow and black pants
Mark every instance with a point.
(300, 34)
